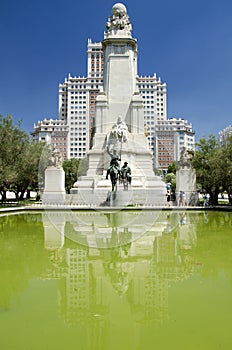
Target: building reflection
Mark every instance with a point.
(137, 267)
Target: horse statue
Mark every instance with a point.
(115, 173)
(125, 176)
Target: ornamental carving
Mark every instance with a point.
(119, 20)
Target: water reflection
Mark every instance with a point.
(138, 270)
(129, 276)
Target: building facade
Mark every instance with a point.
(53, 132)
(171, 136)
(77, 102)
(224, 134)
(77, 111)
(76, 107)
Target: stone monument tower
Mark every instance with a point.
(119, 123)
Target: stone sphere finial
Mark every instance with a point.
(119, 9)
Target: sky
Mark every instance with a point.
(186, 43)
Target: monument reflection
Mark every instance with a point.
(101, 257)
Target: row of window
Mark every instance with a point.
(79, 137)
(78, 86)
(77, 144)
(97, 56)
(79, 123)
(78, 92)
(78, 102)
(165, 148)
(150, 86)
(78, 97)
(78, 112)
(77, 129)
(80, 117)
(78, 107)
(78, 149)
(79, 155)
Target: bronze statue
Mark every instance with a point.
(125, 175)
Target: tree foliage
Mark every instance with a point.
(70, 167)
(171, 178)
(172, 168)
(213, 165)
(19, 159)
(226, 171)
(13, 143)
(73, 168)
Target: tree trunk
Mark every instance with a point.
(213, 197)
(3, 193)
(230, 197)
(28, 194)
(21, 197)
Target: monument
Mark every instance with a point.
(186, 178)
(54, 190)
(119, 124)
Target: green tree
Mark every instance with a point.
(172, 168)
(208, 162)
(30, 171)
(73, 168)
(226, 168)
(171, 178)
(13, 143)
(19, 160)
(70, 167)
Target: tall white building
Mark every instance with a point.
(224, 134)
(53, 132)
(77, 97)
(76, 113)
(77, 102)
(171, 136)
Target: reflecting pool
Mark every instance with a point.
(116, 280)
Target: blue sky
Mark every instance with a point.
(187, 43)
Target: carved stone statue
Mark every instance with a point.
(119, 19)
(119, 130)
(185, 158)
(55, 159)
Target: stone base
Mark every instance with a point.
(54, 191)
(132, 197)
(191, 198)
(186, 182)
(53, 197)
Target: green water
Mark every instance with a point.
(136, 281)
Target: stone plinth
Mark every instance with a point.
(186, 182)
(54, 191)
(93, 188)
(132, 197)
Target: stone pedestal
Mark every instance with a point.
(104, 197)
(93, 188)
(54, 191)
(186, 182)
